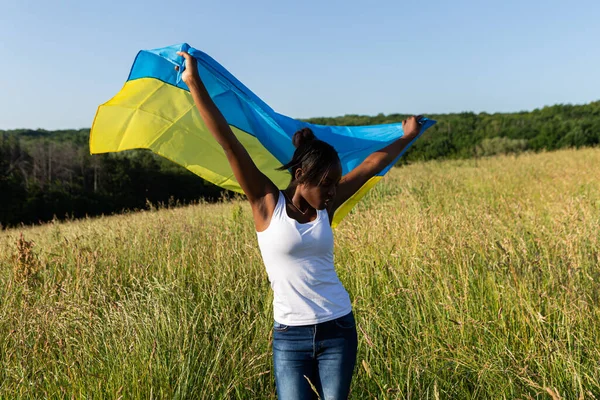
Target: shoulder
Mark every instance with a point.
(330, 210)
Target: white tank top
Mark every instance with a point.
(299, 262)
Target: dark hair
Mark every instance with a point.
(312, 155)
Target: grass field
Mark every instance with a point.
(469, 280)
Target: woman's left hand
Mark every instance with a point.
(411, 126)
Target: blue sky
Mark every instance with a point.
(61, 59)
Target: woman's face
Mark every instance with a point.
(321, 195)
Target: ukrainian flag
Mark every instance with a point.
(155, 110)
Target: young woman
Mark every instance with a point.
(314, 334)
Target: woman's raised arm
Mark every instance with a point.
(374, 163)
(253, 182)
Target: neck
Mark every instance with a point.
(297, 200)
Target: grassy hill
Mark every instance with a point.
(469, 279)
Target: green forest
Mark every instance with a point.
(50, 174)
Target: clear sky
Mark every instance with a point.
(61, 59)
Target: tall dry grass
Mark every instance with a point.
(469, 279)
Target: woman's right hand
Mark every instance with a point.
(190, 73)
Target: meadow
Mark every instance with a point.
(469, 279)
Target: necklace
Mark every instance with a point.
(292, 203)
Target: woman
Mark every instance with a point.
(314, 334)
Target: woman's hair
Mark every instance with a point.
(312, 155)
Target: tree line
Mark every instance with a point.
(47, 174)
(467, 135)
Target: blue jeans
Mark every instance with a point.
(320, 356)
